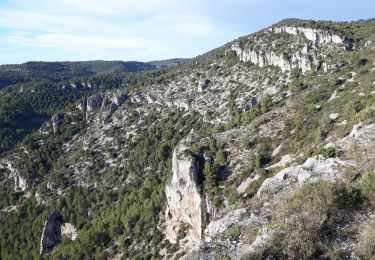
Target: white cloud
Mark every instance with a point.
(111, 29)
(76, 43)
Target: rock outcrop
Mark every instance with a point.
(51, 235)
(20, 183)
(317, 36)
(69, 231)
(314, 169)
(108, 104)
(203, 84)
(188, 211)
(94, 102)
(56, 121)
(360, 135)
(302, 59)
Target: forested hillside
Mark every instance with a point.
(260, 149)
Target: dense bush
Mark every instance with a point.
(299, 226)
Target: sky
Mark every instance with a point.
(144, 30)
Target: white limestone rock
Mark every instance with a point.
(94, 102)
(314, 169)
(56, 121)
(69, 231)
(188, 211)
(286, 159)
(243, 186)
(360, 135)
(317, 36)
(301, 59)
(223, 223)
(334, 116)
(203, 84)
(20, 183)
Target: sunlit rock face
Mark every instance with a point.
(188, 210)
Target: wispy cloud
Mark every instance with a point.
(111, 26)
(76, 42)
(145, 29)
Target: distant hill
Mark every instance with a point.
(57, 71)
(167, 63)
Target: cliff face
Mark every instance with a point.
(188, 211)
(318, 37)
(300, 59)
(20, 183)
(304, 58)
(54, 230)
(51, 235)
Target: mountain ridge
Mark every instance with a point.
(264, 142)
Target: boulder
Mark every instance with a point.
(69, 231)
(334, 116)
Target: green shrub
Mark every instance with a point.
(366, 245)
(233, 196)
(348, 197)
(329, 152)
(367, 185)
(299, 224)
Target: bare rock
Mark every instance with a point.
(20, 183)
(318, 37)
(334, 116)
(314, 169)
(203, 84)
(94, 102)
(188, 211)
(51, 235)
(56, 121)
(243, 186)
(360, 135)
(69, 231)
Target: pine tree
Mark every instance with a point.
(210, 177)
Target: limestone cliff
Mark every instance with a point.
(108, 103)
(317, 36)
(303, 58)
(188, 211)
(20, 183)
(51, 235)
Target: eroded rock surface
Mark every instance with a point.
(317, 36)
(314, 169)
(51, 235)
(20, 183)
(69, 231)
(188, 211)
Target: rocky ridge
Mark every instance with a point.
(306, 58)
(251, 111)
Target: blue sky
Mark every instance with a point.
(57, 30)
